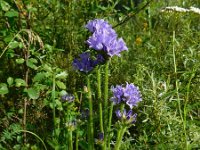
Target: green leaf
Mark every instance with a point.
(13, 44)
(3, 88)
(4, 5)
(33, 93)
(47, 68)
(31, 63)
(48, 47)
(62, 93)
(33, 60)
(19, 61)
(19, 82)
(11, 13)
(10, 81)
(8, 38)
(10, 53)
(61, 85)
(39, 77)
(59, 105)
(62, 75)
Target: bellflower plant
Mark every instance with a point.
(126, 119)
(106, 44)
(129, 94)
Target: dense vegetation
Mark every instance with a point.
(39, 41)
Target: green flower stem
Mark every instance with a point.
(119, 137)
(70, 142)
(109, 124)
(76, 139)
(91, 130)
(106, 103)
(53, 101)
(177, 91)
(99, 99)
(33, 135)
(185, 107)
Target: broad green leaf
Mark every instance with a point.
(48, 47)
(20, 111)
(47, 68)
(4, 5)
(33, 93)
(19, 82)
(62, 75)
(39, 77)
(11, 13)
(10, 81)
(19, 61)
(3, 88)
(33, 60)
(8, 38)
(62, 93)
(59, 105)
(31, 63)
(61, 85)
(13, 44)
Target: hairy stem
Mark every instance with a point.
(109, 124)
(77, 140)
(106, 103)
(91, 130)
(99, 99)
(54, 105)
(119, 138)
(70, 146)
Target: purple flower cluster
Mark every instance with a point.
(127, 117)
(85, 63)
(104, 38)
(129, 94)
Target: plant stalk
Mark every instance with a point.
(177, 91)
(119, 138)
(109, 124)
(99, 99)
(91, 130)
(106, 104)
(76, 139)
(54, 105)
(70, 143)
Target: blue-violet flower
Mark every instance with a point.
(67, 97)
(129, 94)
(97, 24)
(105, 38)
(127, 117)
(85, 63)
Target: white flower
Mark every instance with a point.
(174, 8)
(195, 10)
(180, 9)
